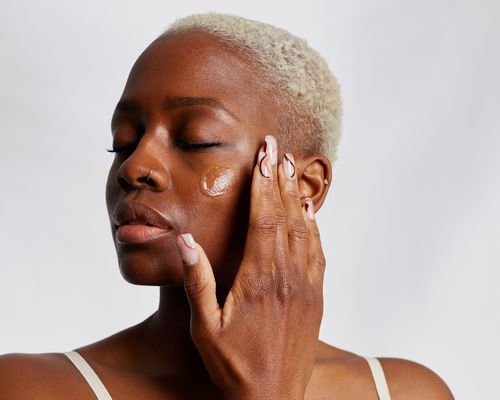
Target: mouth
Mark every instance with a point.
(137, 223)
(138, 233)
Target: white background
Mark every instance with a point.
(411, 228)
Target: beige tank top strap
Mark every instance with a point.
(90, 376)
(102, 394)
(379, 378)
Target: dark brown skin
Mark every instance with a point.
(255, 334)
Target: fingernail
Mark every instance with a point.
(271, 149)
(187, 248)
(309, 208)
(265, 168)
(289, 164)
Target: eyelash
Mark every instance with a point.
(197, 145)
(118, 149)
(182, 144)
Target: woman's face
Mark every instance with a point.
(187, 88)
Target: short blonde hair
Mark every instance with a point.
(307, 92)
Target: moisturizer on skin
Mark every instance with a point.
(217, 180)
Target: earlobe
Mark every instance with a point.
(314, 178)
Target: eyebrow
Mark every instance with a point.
(171, 103)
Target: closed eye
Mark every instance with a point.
(204, 145)
(180, 143)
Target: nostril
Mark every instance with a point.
(146, 180)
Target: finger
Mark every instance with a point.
(316, 258)
(282, 253)
(272, 152)
(199, 281)
(296, 226)
(259, 246)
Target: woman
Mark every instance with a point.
(224, 138)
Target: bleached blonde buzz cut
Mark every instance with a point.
(307, 93)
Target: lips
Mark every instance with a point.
(136, 223)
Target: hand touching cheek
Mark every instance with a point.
(262, 343)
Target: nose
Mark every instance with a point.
(143, 171)
(152, 180)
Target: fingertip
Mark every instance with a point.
(289, 165)
(202, 256)
(272, 149)
(187, 249)
(264, 165)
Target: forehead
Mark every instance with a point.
(195, 64)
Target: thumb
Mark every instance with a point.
(199, 280)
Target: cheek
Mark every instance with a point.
(223, 210)
(216, 181)
(110, 189)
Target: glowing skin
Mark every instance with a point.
(217, 180)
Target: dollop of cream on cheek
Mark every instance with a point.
(216, 180)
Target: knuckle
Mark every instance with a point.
(297, 232)
(196, 287)
(260, 288)
(291, 193)
(318, 261)
(265, 224)
(281, 218)
(285, 290)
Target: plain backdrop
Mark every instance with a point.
(411, 227)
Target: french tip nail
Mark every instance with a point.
(188, 240)
(289, 165)
(271, 148)
(187, 248)
(265, 168)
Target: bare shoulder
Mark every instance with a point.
(342, 374)
(38, 376)
(53, 375)
(409, 380)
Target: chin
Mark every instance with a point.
(141, 267)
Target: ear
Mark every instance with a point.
(314, 176)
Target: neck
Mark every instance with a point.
(167, 331)
(167, 335)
